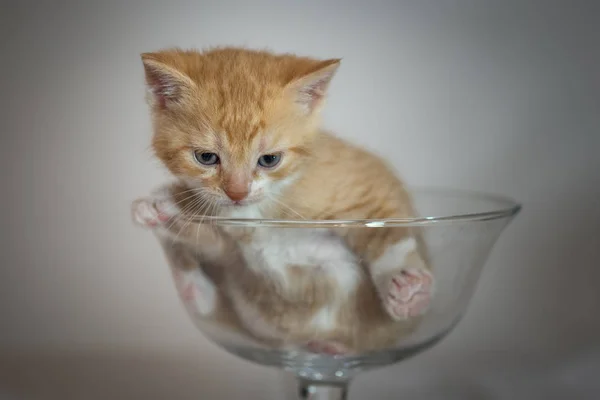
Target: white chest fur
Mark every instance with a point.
(274, 249)
(271, 250)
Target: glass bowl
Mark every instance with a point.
(328, 316)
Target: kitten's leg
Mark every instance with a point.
(161, 213)
(402, 280)
(148, 214)
(156, 211)
(194, 287)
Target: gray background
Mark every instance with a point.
(488, 95)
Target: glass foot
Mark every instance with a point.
(308, 390)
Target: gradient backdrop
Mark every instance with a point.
(489, 95)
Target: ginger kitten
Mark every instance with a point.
(240, 131)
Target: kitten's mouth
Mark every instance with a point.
(241, 203)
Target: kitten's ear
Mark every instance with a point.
(166, 83)
(310, 89)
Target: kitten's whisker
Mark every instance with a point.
(199, 202)
(284, 212)
(213, 211)
(202, 217)
(188, 197)
(281, 203)
(196, 193)
(184, 210)
(205, 209)
(195, 190)
(299, 200)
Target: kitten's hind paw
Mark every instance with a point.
(326, 347)
(196, 291)
(408, 293)
(151, 212)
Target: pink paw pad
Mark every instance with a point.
(188, 292)
(185, 288)
(409, 293)
(196, 293)
(152, 213)
(326, 347)
(163, 217)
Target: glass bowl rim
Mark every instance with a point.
(506, 208)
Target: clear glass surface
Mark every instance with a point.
(458, 228)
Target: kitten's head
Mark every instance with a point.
(235, 123)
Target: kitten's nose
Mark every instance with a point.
(237, 195)
(236, 186)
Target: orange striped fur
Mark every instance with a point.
(241, 104)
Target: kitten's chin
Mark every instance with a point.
(244, 210)
(240, 204)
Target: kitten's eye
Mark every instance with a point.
(269, 160)
(205, 158)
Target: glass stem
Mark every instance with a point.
(311, 390)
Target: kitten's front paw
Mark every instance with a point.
(151, 212)
(408, 293)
